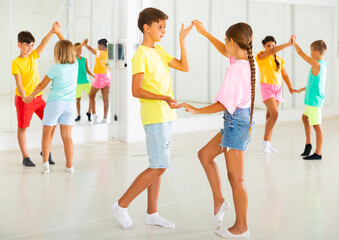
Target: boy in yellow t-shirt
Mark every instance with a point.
(26, 74)
(151, 83)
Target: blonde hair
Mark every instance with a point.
(64, 52)
(242, 34)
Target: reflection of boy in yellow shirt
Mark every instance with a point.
(151, 83)
(26, 74)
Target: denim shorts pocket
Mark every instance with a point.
(243, 130)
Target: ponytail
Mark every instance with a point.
(251, 60)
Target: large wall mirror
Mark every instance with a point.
(79, 19)
(277, 18)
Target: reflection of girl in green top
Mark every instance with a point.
(83, 83)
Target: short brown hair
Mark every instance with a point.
(77, 44)
(25, 36)
(64, 52)
(149, 16)
(319, 46)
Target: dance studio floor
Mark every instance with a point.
(289, 198)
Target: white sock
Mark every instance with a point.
(266, 146)
(122, 216)
(272, 149)
(227, 234)
(45, 168)
(95, 118)
(156, 219)
(69, 170)
(220, 215)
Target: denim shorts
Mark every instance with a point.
(158, 143)
(59, 112)
(236, 134)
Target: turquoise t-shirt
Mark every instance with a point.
(315, 88)
(82, 72)
(64, 81)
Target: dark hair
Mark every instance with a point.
(319, 46)
(25, 36)
(242, 34)
(77, 44)
(271, 39)
(149, 16)
(103, 42)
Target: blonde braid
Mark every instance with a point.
(251, 60)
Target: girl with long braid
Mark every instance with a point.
(236, 99)
(272, 71)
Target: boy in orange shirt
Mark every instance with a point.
(26, 74)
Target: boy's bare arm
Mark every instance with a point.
(314, 63)
(139, 92)
(19, 86)
(44, 42)
(84, 43)
(220, 46)
(89, 71)
(213, 108)
(182, 64)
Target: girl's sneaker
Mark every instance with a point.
(45, 168)
(69, 170)
(95, 118)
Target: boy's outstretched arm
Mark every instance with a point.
(275, 49)
(182, 64)
(220, 46)
(314, 63)
(84, 43)
(44, 42)
(139, 92)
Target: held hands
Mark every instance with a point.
(172, 103)
(301, 89)
(199, 26)
(293, 90)
(294, 39)
(189, 108)
(185, 31)
(56, 27)
(28, 99)
(84, 43)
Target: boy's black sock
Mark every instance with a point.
(49, 158)
(89, 116)
(78, 119)
(313, 157)
(307, 151)
(27, 162)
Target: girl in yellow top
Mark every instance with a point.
(102, 80)
(272, 71)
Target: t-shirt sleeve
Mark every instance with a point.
(168, 56)
(15, 68)
(282, 63)
(35, 54)
(52, 72)
(231, 91)
(139, 62)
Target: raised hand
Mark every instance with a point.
(56, 27)
(84, 43)
(189, 108)
(199, 26)
(294, 39)
(185, 31)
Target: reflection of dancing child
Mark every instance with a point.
(102, 80)
(236, 99)
(60, 106)
(314, 96)
(83, 83)
(26, 74)
(272, 71)
(151, 83)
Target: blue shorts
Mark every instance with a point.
(158, 143)
(59, 112)
(236, 134)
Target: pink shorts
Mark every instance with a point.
(102, 80)
(271, 91)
